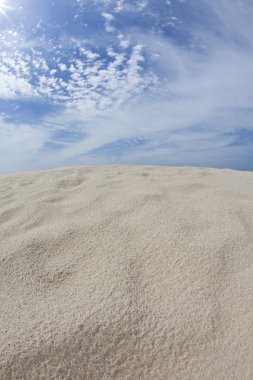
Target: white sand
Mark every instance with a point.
(126, 273)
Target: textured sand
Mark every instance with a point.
(126, 273)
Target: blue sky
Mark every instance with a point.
(163, 82)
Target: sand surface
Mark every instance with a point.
(121, 272)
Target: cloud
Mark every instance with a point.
(20, 146)
(62, 66)
(183, 98)
(12, 87)
(108, 22)
(211, 90)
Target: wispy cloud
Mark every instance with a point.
(20, 146)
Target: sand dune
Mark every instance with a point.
(121, 272)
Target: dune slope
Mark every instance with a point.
(121, 272)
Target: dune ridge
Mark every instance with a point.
(126, 272)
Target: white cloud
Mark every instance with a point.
(124, 41)
(12, 87)
(124, 44)
(108, 22)
(20, 146)
(62, 67)
(142, 4)
(119, 6)
(88, 54)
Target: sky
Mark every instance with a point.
(97, 82)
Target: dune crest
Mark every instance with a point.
(126, 272)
